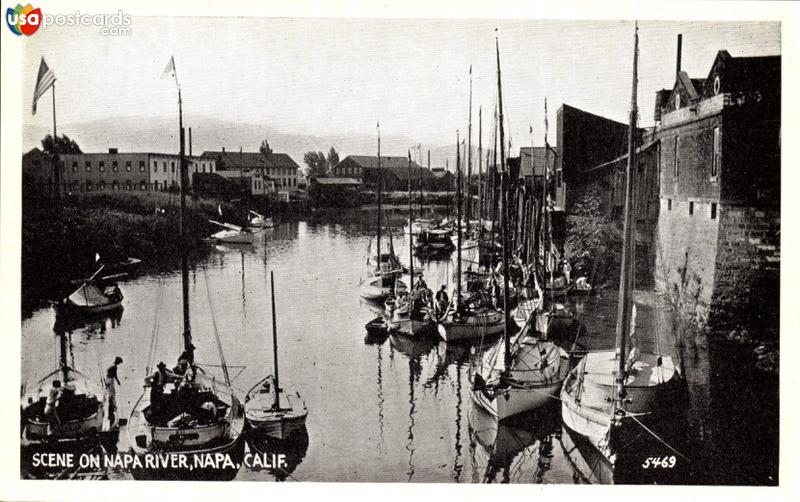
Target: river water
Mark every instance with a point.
(397, 409)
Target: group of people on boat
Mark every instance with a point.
(185, 398)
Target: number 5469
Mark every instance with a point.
(659, 462)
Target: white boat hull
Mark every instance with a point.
(234, 237)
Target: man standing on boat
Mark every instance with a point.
(112, 380)
(442, 299)
(51, 405)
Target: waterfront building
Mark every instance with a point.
(393, 173)
(165, 172)
(719, 162)
(91, 172)
(278, 167)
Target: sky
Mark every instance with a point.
(326, 76)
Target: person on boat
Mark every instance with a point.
(157, 381)
(50, 413)
(188, 354)
(112, 380)
(567, 269)
(66, 403)
(442, 299)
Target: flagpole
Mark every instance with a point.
(56, 180)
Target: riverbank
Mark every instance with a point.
(60, 241)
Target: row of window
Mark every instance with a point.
(712, 210)
(101, 185)
(101, 166)
(716, 154)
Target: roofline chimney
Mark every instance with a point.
(678, 61)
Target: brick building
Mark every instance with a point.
(719, 162)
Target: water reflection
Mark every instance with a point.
(514, 451)
(393, 408)
(293, 451)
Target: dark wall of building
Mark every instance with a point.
(586, 140)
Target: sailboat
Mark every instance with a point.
(262, 405)
(467, 320)
(93, 298)
(525, 373)
(196, 416)
(411, 317)
(232, 234)
(383, 279)
(81, 420)
(259, 221)
(611, 395)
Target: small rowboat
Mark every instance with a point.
(89, 298)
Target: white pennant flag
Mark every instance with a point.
(170, 70)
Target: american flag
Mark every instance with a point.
(44, 81)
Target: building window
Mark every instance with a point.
(164, 165)
(172, 165)
(716, 161)
(713, 210)
(669, 204)
(114, 165)
(75, 166)
(143, 186)
(155, 166)
(128, 165)
(88, 186)
(677, 156)
(101, 185)
(691, 208)
(128, 185)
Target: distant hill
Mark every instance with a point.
(130, 134)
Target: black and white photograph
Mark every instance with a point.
(433, 248)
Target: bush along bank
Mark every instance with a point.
(60, 241)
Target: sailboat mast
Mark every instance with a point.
(410, 233)
(458, 220)
(480, 185)
(624, 306)
(469, 154)
(380, 179)
(62, 339)
(187, 329)
(546, 244)
(277, 404)
(504, 201)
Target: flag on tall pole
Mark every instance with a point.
(44, 81)
(170, 70)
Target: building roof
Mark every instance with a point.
(251, 160)
(397, 165)
(336, 181)
(539, 158)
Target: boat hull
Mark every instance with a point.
(198, 460)
(472, 327)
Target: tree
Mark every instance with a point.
(333, 158)
(317, 164)
(265, 148)
(62, 144)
